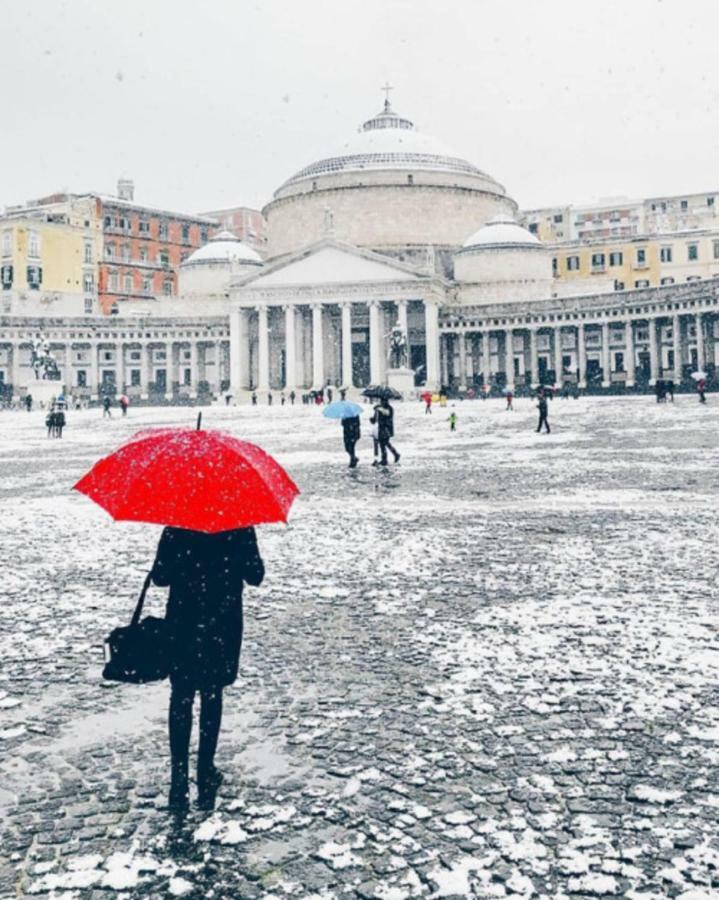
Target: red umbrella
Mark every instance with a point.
(201, 480)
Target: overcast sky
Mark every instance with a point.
(213, 104)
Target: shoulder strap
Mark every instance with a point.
(138, 609)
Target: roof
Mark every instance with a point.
(224, 247)
(502, 231)
(387, 141)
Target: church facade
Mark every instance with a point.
(389, 230)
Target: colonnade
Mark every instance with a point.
(661, 345)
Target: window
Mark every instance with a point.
(113, 281)
(618, 285)
(167, 287)
(710, 201)
(128, 284)
(34, 277)
(7, 243)
(694, 278)
(88, 283)
(692, 252)
(147, 285)
(642, 283)
(115, 309)
(665, 254)
(203, 235)
(81, 378)
(6, 277)
(532, 227)
(185, 232)
(715, 246)
(163, 257)
(134, 377)
(619, 362)
(143, 226)
(616, 258)
(558, 218)
(107, 355)
(107, 221)
(684, 204)
(126, 252)
(572, 263)
(597, 260)
(187, 379)
(410, 179)
(88, 305)
(554, 265)
(33, 245)
(162, 231)
(667, 280)
(143, 254)
(135, 355)
(87, 258)
(641, 256)
(110, 251)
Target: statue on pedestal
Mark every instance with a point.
(397, 348)
(42, 362)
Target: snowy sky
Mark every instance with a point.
(214, 104)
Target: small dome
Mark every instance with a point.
(222, 248)
(502, 231)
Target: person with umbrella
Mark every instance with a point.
(427, 397)
(701, 388)
(348, 413)
(210, 490)
(124, 403)
(543, 408)
(383, 416)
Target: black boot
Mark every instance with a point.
(179, 799)
(208, 783)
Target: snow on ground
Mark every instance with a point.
(488, 671)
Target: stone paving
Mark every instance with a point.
(490, 671)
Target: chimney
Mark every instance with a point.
(126, 189)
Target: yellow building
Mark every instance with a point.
(639, 261)
(51, 258)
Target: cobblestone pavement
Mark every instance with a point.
(489, 671)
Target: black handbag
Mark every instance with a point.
(138, 652)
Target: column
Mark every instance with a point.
(67, 374)
(701, 356)
(509, 357)
(239, 353)
(145, 370)
(403, 323)
(347, 345)
(486, 358)
(677, 348)
(290, 348)
(446, 350)
(630, 354)
(16, 373)
(169, 368)
(375, 349)
(606, 364)
(533, 357)
(581, 356)
(219, 367)
(193, 369)
(558, 368)
(431, 336)
(263, 350)
(93, 379)
(653, 364)
(318, 348)
(461, 340)
(120, 367)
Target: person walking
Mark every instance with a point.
(351, 434)
(28, 402)
(384, 417)
(205, 574)
(254, 399)
(329, 394)
(269, 399)
(106, 412)
(510, 397)
(59, 422)
(543, 408)
(375, 441)
(701, 389)
(453, 421)
(292, 397)
(428, 404)
(283, 399)
(670, 390)
(124, 403)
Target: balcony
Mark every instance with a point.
(599, 270)
(116, 229)
(137, 263)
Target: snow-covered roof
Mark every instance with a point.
(388, 141)
(224, 247)
(502, 231)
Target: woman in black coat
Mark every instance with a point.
(205, 573)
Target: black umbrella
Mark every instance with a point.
(380, 392)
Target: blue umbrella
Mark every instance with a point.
(342, 409)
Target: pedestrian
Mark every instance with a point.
(59, 422)
(205, 574)
(453, 421)
(375, 441)
(292, 397)
(319, 398)
(660, 391)
(28, 402)
(254, 399)
(343, 393)
(510, 397)
(124, 403)
(670, 390)
(106, 412)
(543, 411)
(269, 399)
(428, 404)
(50, 424)
(701, 388)
(282, 398)
(228, 398)
(485, 391)
(329, 394)
(351, 434)
(384, 416)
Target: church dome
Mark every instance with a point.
(502, 231)
(387, 141)
(224, 247)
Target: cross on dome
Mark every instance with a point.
(387, 88)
